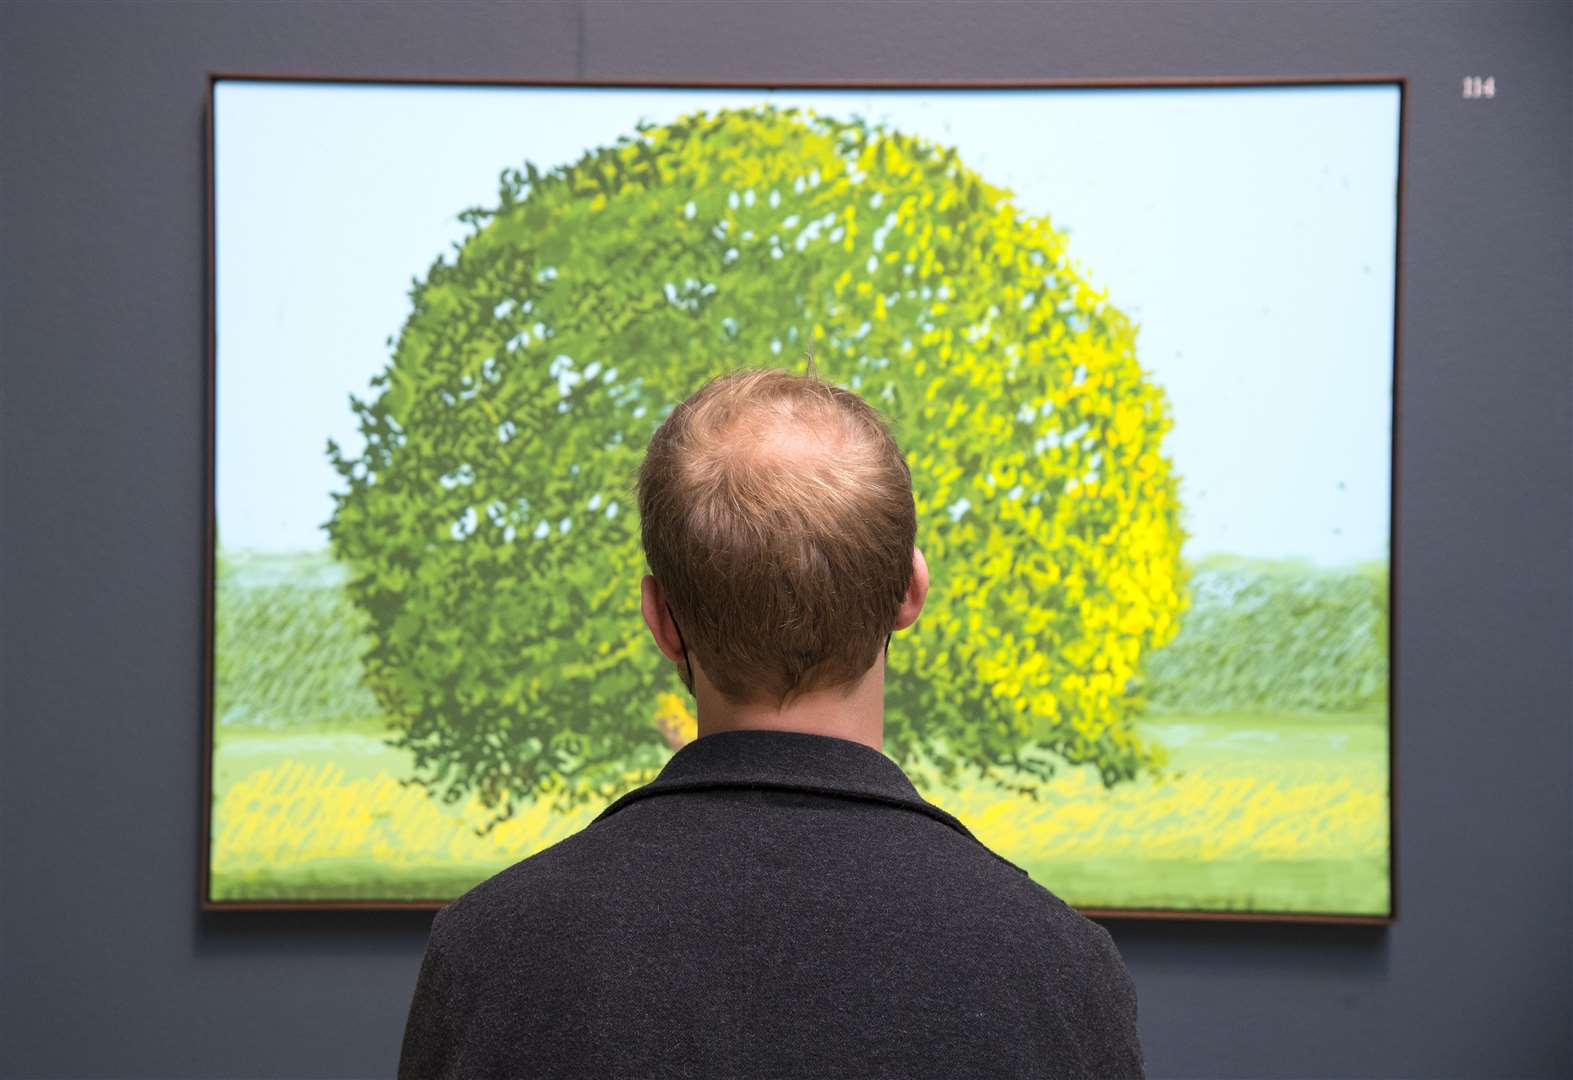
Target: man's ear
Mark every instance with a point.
(917, 592)
(653, 604)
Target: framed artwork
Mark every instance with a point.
(1137, 340)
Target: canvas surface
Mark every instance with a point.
(1137, 345)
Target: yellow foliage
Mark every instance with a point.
(1307, 811)
(294, 815)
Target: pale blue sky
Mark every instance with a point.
(1249, 231)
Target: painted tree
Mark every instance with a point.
(490, 523)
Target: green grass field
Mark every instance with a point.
(1296, 808)
(1282, 813)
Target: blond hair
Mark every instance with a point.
(776, 512)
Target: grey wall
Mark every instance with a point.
(106, 966)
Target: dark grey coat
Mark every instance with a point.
(774, 904)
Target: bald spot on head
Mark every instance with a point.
(773, 440)
(782, 459)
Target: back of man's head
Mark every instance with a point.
(776, 513)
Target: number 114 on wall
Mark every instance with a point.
(1477, 87)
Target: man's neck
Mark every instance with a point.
(858, 717)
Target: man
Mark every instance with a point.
(779, 901)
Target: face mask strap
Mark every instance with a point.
(686, 662)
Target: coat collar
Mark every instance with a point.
(792, 761)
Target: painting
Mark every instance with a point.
(1136, 340)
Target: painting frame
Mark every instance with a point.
(206, 900)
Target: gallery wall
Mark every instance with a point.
(107, 968)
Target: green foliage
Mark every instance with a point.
(489, 520)
(1277, 637)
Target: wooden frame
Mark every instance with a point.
(209, 517)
